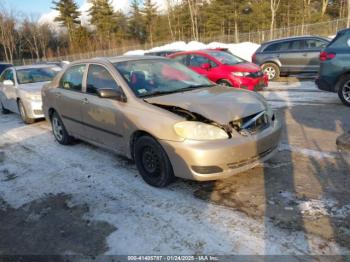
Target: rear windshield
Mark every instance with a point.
(342, 40)
(34, 75)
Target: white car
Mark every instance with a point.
(20, 90)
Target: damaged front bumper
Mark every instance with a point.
(213, 160)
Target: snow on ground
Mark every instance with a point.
(244, 50)
(148, 220)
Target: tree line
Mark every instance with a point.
(146, 23)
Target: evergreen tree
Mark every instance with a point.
(136, 26)
(68, 15)
(103, 18)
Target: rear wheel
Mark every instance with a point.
(271, 70)
(152, 162)
(22, 111)
(344, 91)
(224, 82)
(3, 109)
(59, 131)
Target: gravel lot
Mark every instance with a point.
(85, 200)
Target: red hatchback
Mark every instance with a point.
(224, 68)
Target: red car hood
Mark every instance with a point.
(243, 67)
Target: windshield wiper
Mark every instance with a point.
(191, 87)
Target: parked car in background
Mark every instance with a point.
(20, 90)
(334, 73)
(3, 66)
(169, 119)
(161, 53)
(223, 68)
(290, 55)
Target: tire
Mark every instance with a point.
(23, 113)
(344, 90)
(59, 131)
(4, 110)
(271, 70)
(224, 82)
(152, 162)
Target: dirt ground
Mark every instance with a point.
(84, 200)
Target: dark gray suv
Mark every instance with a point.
(290, 55)
(334, 74)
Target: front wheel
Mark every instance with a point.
(271, 70)
(59, 131)
(22, 111)
(152, 162)
(344, 91)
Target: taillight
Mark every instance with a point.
(254, 57)
(326, 56)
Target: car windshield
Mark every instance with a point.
(34, 75)
(151, 77)
(225, 58)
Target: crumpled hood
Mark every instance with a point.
(219, 104)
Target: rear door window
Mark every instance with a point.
(277, 47)
(73, 78)
(181, 59)
(297, 45)
(198, 60)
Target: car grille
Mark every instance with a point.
(256, 74)
(251, 124)
(250, 160)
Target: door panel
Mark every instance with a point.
(103, 118)
(9, 92)
(69, 99)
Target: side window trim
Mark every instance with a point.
(83, 83)
(107, 69)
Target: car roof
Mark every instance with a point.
(33, 66)
(117, 59)
(294, 38)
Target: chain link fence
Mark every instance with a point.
(328, 28)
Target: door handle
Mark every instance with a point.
(58, 95)
(305, 54)
(85, 101)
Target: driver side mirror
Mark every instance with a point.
(8, 83)
(206, 66)
(111, 94)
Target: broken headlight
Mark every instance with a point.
(199, 131)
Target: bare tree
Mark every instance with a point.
(348, 21)
(169, 4)
(274, 5)
(324, 7)
(8, 35)
(192, 6)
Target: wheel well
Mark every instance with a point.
(339, 80)
(136, 135)
(270, 62)
(51, 111)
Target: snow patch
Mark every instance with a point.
(244, 50)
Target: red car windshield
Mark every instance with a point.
(225, 58)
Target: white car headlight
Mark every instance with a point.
(242, 74)
(199, 131)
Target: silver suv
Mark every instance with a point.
(290, 55)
